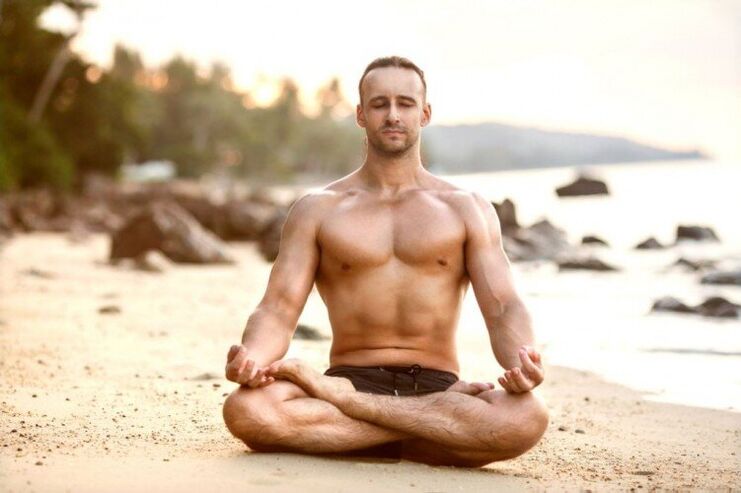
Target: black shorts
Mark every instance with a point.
(395, 380)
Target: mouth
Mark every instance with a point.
(393, 131)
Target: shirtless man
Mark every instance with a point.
(391, 249)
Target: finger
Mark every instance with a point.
(267, 381)
(480, 387)
(512, 382)
(245, 374)
(506, 385)
(234, 366)
(531, 370)
(535, 356)
(523, 383)
(258, 378)
(232, 352)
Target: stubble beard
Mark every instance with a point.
(386, 150)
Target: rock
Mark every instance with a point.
(307, 333)
(542, 240)
(593, 240)
(696, 233)
(718, 307)
(670, 304)
(208, 213)
(6, 219)
(649, 244)
(507, 216)
(109, 310)
(166, 227)
(731, 278)
(694, 264)
(269, 241)
(34, 272)
(206, 376)
(587, 263)
(583, 186)
(152, 261)
(248, 220)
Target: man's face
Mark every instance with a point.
(393, 109)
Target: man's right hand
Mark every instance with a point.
(242, 369)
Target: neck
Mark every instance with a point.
(393, 174)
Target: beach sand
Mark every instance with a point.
(130, 398)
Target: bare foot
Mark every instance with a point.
(314, 383)
(470, 388)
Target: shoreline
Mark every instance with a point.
(133, 398)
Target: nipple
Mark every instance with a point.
(345, 266)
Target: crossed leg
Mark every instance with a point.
(311, 412)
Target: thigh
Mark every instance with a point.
(513, 416)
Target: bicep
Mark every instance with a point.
(486, 262)
(293, 272)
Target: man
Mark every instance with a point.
(391, 249)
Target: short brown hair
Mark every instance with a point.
(392, 61)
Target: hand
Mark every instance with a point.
(242, 369)
(519, 380)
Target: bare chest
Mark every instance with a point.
(417, 230)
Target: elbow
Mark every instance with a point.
(510, 313)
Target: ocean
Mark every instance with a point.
(601, 322)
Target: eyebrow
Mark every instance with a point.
(403, 96)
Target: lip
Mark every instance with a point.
(393, 132)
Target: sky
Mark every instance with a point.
(662, 72)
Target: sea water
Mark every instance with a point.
(601, 322)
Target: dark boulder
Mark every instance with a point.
(583, 186)
(649, 244)
(269, 241)
(731, 278)
(718, 307)
(507, 214)
(307, 333)
(247, 220)
(166, 227)
(694, 264)
(542, 240)
(593, 240)
(671, 304)
(587, 263)
(696, 233)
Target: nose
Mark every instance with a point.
(393, 115)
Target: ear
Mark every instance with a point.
(360, 116)
(426, 115)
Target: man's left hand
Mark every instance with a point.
(524, 379)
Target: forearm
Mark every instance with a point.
(267, 335)
(508, 332)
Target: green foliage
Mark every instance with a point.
(30, 155)
(97, 119)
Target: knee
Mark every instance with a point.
(247, 416)
(528, 426)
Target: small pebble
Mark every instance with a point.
(562, 428)
(579, 431)
(39, 463)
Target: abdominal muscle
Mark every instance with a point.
(394, 329)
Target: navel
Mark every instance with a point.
(442, 261)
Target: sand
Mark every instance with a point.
(130, 398)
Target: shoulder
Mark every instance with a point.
(468, 204)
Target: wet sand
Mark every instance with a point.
(111, 380)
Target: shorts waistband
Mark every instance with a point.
(414, 369)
